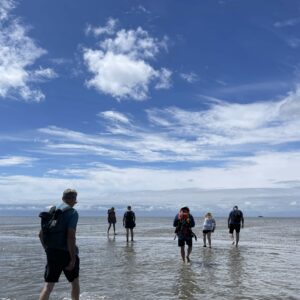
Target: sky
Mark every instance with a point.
(157, 104)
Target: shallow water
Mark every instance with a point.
(264, 266)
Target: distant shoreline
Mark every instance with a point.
(139, 215)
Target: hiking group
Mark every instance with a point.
(128, 221)
(184, 222)
(58, 237)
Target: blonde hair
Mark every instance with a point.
(208, 215)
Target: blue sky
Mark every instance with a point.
(156, 104)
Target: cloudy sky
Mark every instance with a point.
(157, 104)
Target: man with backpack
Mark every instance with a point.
(129, 222)
(235, 220)
(111, 219)
(184, 222)
(58, 237)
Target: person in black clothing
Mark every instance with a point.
(62, 252)
(184, 222)
(129, 222)
(235, 220)
(111, 219)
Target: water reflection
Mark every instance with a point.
(111, 240)
(129, 252)
(209, 263)
(236, 269)
(186, 285)
(236, 265)
(129, 268)
(151, 267)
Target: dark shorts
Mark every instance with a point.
(206, 231)
(130, 225)
(185, 240)
(57, 261)
(236, 227)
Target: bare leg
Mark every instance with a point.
(237, 238)
(189, 251)
(209, 239)
(182, 251)
(114, 226)
(232, 238)
(204, 239)
(131, 233)
(108, 228)
(46, 291)
(75, 289)
(127, 234)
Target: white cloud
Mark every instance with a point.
(5, 7)
(143, 9)
(114, 116)
(69, 135)
(18, 53)
(43, 74)
(121, 66)
(134, 43)
(118, 75)
(176, 135)
(227, 135)
(164, 76)
(108, 29)
(146, 187)
(226, 124)
(190, 77)
(8, 161)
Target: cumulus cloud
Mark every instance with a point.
(118, 75)
(18, 53)
(134, 43)
(121, 67)
(5, 7)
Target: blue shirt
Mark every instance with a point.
(235, 217)
(68, 221)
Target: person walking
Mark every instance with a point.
(58, 237)
(235, 222)
(184, 222)
(129, 222)
(112, 220)
(209, 226)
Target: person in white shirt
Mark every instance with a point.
(209, 226)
